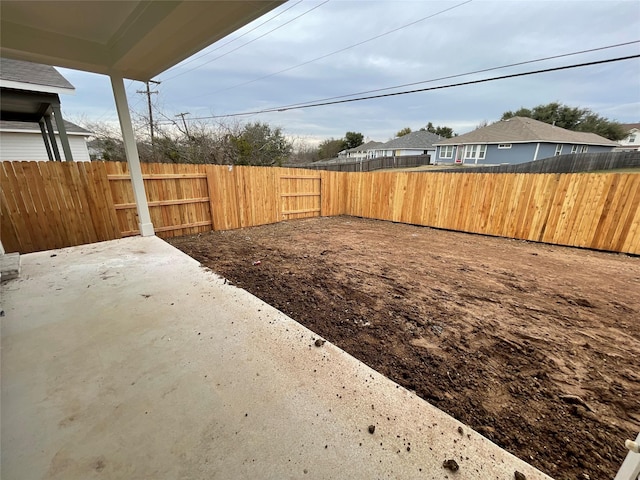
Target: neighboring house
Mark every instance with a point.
(22, 141)
(29, 95)
(631, 142)
(517, 140)
(362, 152)
(414, 143)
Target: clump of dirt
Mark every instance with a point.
(534, 346)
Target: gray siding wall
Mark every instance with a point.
(519, 153)
(549, 149)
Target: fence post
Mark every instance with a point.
(210, 182)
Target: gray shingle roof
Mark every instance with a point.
(34, 127)
(523, 130)
(33, 73)
(418, 140)
(630, 126)
(365, 146)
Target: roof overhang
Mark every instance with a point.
(133, 39)
(35, 88)
(21, 106)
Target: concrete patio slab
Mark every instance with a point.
(126, 359)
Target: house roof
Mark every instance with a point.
(135, 39)
(418, 140)
(630, 126)
(21, 75)
(365, 146)
(525, 130)
(30, 127)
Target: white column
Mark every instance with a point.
(131, 150)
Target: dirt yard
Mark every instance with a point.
(537, 347)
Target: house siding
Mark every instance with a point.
(401, 152)
(549, 149)
(17, 146)
(518, 153)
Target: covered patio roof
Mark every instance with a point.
(125, 39)
(137, 39)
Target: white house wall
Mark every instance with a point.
(404, 152)
(16, 146)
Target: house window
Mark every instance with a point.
(585, 148)
(558, 149)
(446, 151)
(475, 152)
(632, 138)
(470, 152)
(502, 146)
(574, 148)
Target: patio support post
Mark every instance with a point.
(52, 138)
(45, 139)
(131, 150)
(62, 131)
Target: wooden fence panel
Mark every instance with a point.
(48, 205)
(588, 210)
(178, 197)
(223, 196)
(300, 195)
(333, 192)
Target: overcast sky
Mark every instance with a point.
(469, 36)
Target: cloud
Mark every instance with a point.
(477, 35)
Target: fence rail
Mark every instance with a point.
(50, 205)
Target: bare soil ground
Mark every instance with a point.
(535, 346)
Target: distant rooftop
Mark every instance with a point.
(418, 140)
(16, 72)
(522, 130)
(371, 144)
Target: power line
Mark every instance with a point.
(336, 51)
(193, 59)
(247, 43)
(484, 70)
(316, 103)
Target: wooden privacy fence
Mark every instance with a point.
(47, 205)
(50, 205)
(600, 211)
(188, 199)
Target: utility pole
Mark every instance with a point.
(184, 122)
(148, 93)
